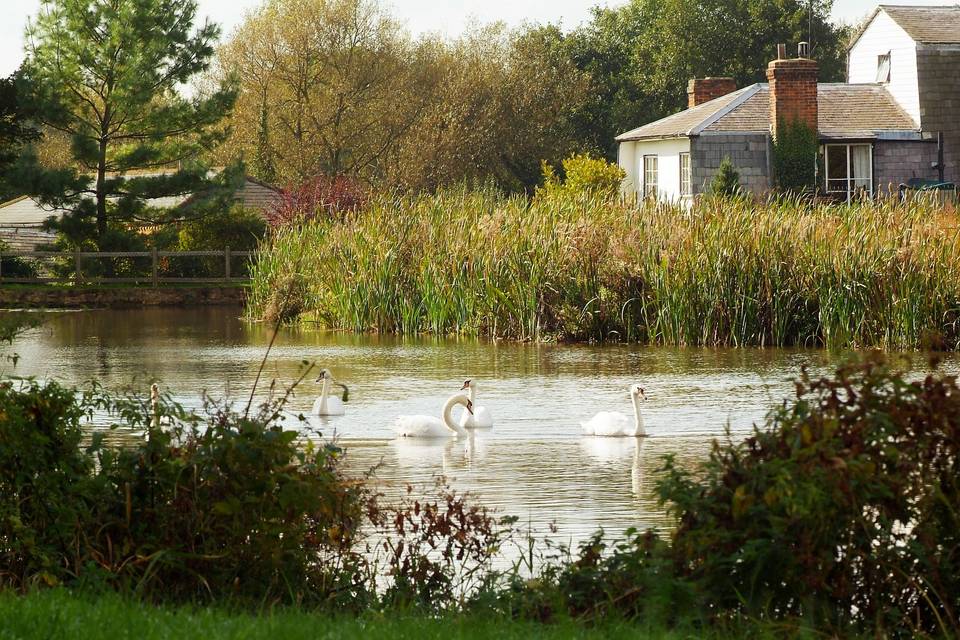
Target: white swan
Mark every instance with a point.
(429, 427)
(327, 405)
(481, 417)
(616, 424)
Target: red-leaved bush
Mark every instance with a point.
(325, 196)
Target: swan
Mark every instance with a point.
(430, 427)
(616, 424)
(327, 405)
(481, 417)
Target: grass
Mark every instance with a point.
(474, 262)
(64, 614)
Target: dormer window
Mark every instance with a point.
(883, 67)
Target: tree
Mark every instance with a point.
(16, 130)
(726, 182)
(340, 78)
(107, 73)
(641, 55)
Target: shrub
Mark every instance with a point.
(15, 267)
(320, 197)
(844, 511)
(235, 227)
(726, 182)
(219, 505)
(583, 175)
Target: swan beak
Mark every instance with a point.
(466, 385)
(470, 407)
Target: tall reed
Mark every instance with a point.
(727, 272)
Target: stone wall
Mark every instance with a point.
(895, 162)
(938, 71)
(18, 297)
(749, 153)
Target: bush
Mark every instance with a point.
(238, 228)
(726, 182)
(583, 175)
(219, 505)
(844, 512)
(14, 267)
(324, 197)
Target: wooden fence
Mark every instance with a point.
(72, 264)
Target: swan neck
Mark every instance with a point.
(324, 392)
(638, 414)
(448, 413)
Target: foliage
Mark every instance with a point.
(16, 130)
(727, 272)
(795, 157)
(339, 88)
(234, 226)
(582, 175)
(208, 505)
(116, 98)
(726, 182)
(641, 54)
(844, 510)
(323, 196)
(12, 266)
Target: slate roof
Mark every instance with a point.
(927, 24)
(844, 111)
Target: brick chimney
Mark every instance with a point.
(793, 89)
(700, 90)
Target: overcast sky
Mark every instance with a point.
(445, 16)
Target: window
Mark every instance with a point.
(849, 169)
(883, 67)
(649, 176)
(684, 174)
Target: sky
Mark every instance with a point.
(443, 16)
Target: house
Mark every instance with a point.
(896, 119)
(22, 219)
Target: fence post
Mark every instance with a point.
(1, 266)
(153, 257)
(78, 275)
(226, 270)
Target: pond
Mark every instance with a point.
(534, 464)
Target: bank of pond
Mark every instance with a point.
(839, 515)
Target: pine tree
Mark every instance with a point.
(726, 182)
(108, 73)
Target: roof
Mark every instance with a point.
(930, 24)
(25, 211)
(844, 111)
(686, 122)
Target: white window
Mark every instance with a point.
(849, 169)
(649, 176)
(883, 67)
(684, 174)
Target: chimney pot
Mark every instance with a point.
(803, 50)
(781, 52)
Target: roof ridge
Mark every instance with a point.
(12, 201)
(745, 94)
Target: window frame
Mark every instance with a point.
(850, 187)
(649, 192)
(686, 182)
(881, 58)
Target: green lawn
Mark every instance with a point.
(61, 614)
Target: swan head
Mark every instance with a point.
(325, 374)
(468, 384)
(636, 391)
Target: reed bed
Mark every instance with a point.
(781, 272)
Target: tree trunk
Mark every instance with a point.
(101, 190)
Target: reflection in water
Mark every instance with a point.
(534, 464)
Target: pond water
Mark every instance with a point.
(534, 464)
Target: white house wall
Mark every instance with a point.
(668, 165)
(884, 35)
